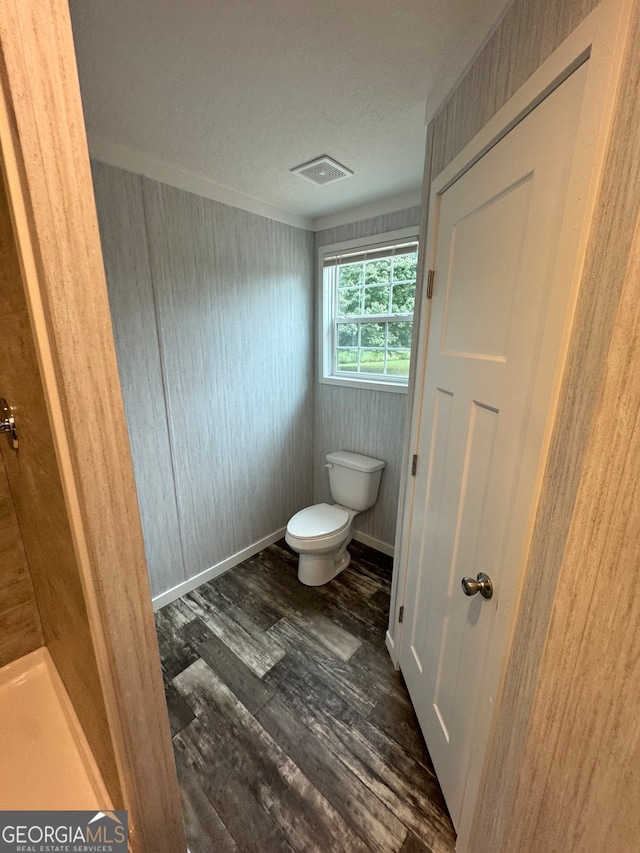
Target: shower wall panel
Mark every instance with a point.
(20, 628)
(40, 509)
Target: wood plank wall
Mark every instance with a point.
(556, 775)
(20, 626)
(234, 302)
(369, 422)
(212, 310)
(572, 795)
(127, 267)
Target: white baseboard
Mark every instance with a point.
(378, 544)
(215, 571)
(224, 566)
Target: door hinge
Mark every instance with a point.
(430, 284)
(414, 465)
(401, 614)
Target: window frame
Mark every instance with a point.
(326, 342)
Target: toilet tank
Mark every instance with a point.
(354, 479)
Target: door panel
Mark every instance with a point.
(477, 322)
(494, 339)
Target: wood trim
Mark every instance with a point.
(49, 181)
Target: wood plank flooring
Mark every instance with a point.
(291, 729)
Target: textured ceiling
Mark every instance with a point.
(237, 92)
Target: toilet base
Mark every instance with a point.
(318, 569)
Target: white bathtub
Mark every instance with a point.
(45, 759)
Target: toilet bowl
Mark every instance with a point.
(320, 533)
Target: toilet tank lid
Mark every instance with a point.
(354, 460)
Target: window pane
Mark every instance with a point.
(376, 300)
(377, 271)
(348, 335)
(400, 334)
(349, 302)
(398, 362)
(350, 275)
(403, 298)
(370, 302)
(372, 361)
(348, 360)
(405, 267)
(372, 334)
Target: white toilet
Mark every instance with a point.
(321, 533)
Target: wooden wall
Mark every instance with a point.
(74, 488)
(39, 507)
(369, 422)
(20, 627)
(561, 763)
(212, 310)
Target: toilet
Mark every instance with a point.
(320, 533)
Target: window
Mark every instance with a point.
(368, 292)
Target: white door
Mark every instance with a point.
(495, 336)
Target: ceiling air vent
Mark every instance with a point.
(322, 171)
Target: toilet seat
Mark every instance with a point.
(317, 522)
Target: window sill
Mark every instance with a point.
(364, 384)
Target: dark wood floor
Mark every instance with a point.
(291, 729)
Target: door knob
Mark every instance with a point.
(483, 585)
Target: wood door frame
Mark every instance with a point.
(48, 179)
(600, 37)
